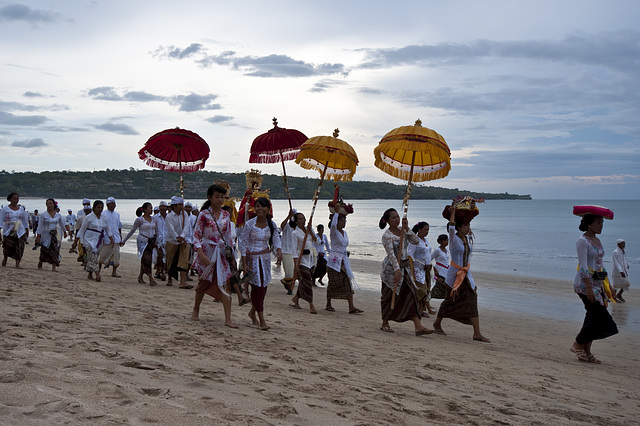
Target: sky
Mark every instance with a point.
(532, 97)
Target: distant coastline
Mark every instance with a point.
(133, 184)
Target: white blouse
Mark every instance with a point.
(254, 246)
(338, 256)
(146, 230)
(457, 255)
(10, 218)
(92, 231)
(46, 224)
(421, 255)
(298, 237)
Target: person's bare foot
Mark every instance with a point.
(39, 265)
(152, 282)
(98, 277)
(141, 280)
(54, 269)
(254, 320)
(264, 327)
(438, 330)
(195, 316)
(4, 262)
(230, 324)
(481, 338)
(90, 276)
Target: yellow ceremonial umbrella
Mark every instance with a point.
(415, 154)
(334, 158)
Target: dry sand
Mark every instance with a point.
(74, 351)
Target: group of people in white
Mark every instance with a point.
(178, 239)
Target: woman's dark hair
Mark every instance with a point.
(320, 227)
(213, 189)
(140, 210)
(385, 218)
(264, 202)
(53, 201)
(227, 209)
(587, 220)
(10, 196)
(293, 222)
(97, 203)
(418, 226)
(442, 237)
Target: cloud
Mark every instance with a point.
(195, 102)
(30, 143)
(21, 120)
(63, 129)
(191, 102)
(121, 129)
(268, 66)
(219, 119)
(618, 50)
(33, 95)
(324, 85)
(21, 12)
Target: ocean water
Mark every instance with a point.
(534, 238)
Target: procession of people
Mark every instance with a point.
(177, 241)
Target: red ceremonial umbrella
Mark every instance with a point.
(175, 150)
(277, 145)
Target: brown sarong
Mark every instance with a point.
(339, 286)
(13, 246)
(305, 286)
(147, 256)
(406, 307)
(463, 308)
(51, 254)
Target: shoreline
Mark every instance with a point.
(117, 351)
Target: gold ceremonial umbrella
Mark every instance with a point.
(415, 154)
(334, 158)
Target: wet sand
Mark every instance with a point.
(75, 351)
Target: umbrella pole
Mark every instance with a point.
(405, 207)
(306, 230)
(286, 184)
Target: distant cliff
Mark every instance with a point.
(158, 184)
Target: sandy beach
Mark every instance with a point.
(75, 351)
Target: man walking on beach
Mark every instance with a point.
(70, 221)
(110, 253)
(177, 227)
(85, 202)
(160, 249)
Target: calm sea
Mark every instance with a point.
(518, 237)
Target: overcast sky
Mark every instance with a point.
(533, 97)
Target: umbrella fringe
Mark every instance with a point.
(174, 167)
(273, 156)
(416, 176)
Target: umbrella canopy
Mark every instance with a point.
(277, 145)
(413, 153)
(175, 150)
(334, 158)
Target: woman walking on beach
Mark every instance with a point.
(397, 276)
(212, 240)
(420, 253)
(259, 238)
(92, 232)
(461, 301)
(47, 235)
(305, 286)
(15, 230)
(620, 275)
(322, 249)
(341, 279)
(147, 235)
(589, 283)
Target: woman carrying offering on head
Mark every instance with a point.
(146, 240)
(15, 230)
(47, 235)
(591, 283)
(305, 286)
(342, 282)
(461, 301)
(212, 239)
(397, 276)
(259, 238)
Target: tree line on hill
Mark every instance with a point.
(134, 184)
